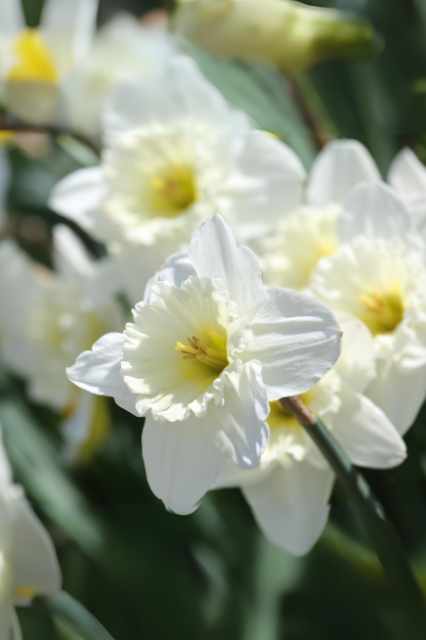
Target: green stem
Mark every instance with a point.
(387, 544)
(63, 607)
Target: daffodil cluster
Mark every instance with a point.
(250, 281)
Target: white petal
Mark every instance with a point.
(366, 434)
(182, 92)
(98, 371)
(183, 459)
(214, 253)
(12, 19)
(79, 196)
(376, 211)
(269, 178)
(297, 340)
(290, 506)
(136, 264)
(407, 174)
(357, 362)
(32, 554)
(399, 389)
(68, 29)
(176, 270)
(70, 256)
(8, 621)
(341, 165)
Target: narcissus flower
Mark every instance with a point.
(176, 153)
(203, 359)
(50, 317)
(290, 253)
(378, 275)
(28, 564)
(290, 490)
(48, 73)
(34, 62)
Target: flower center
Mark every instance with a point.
(34, 60)
(24, 592)
(173, 190)
(383, 311)
(198, 351)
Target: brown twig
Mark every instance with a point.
(24, 127)
(309, 116)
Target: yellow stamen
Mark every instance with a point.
(35, 63)
(383, 312)
(24, 592)
(198, 351)
(173, 191)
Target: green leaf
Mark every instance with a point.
(263, 94)
(72, 614)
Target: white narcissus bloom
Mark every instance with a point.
(379, 276)
(28, 563)
(176, 153)
(290, 254)
(408, 176)
(49, 319)
(203, 359)
(60, 73)
(35, 62)
(290, 490)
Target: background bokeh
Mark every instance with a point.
(147, 574)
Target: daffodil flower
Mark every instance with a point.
(290, 253)
(28, 564)
(203, 359)
(176, 153)
(378, 275)
(290, 490)
(36, 61)
(49, 319)
(60, 73)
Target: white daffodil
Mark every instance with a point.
(202, 360)
(289, 255)
(35, 62)
(49, 319)
(290, 490)
(408, 176)
(28, 564)
(176, 153)
(378, 275)
(60, 73)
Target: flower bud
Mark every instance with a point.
(285, 34)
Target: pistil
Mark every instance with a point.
(198, 351)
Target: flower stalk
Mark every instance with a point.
(385, 539)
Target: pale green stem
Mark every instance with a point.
(383, 535)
